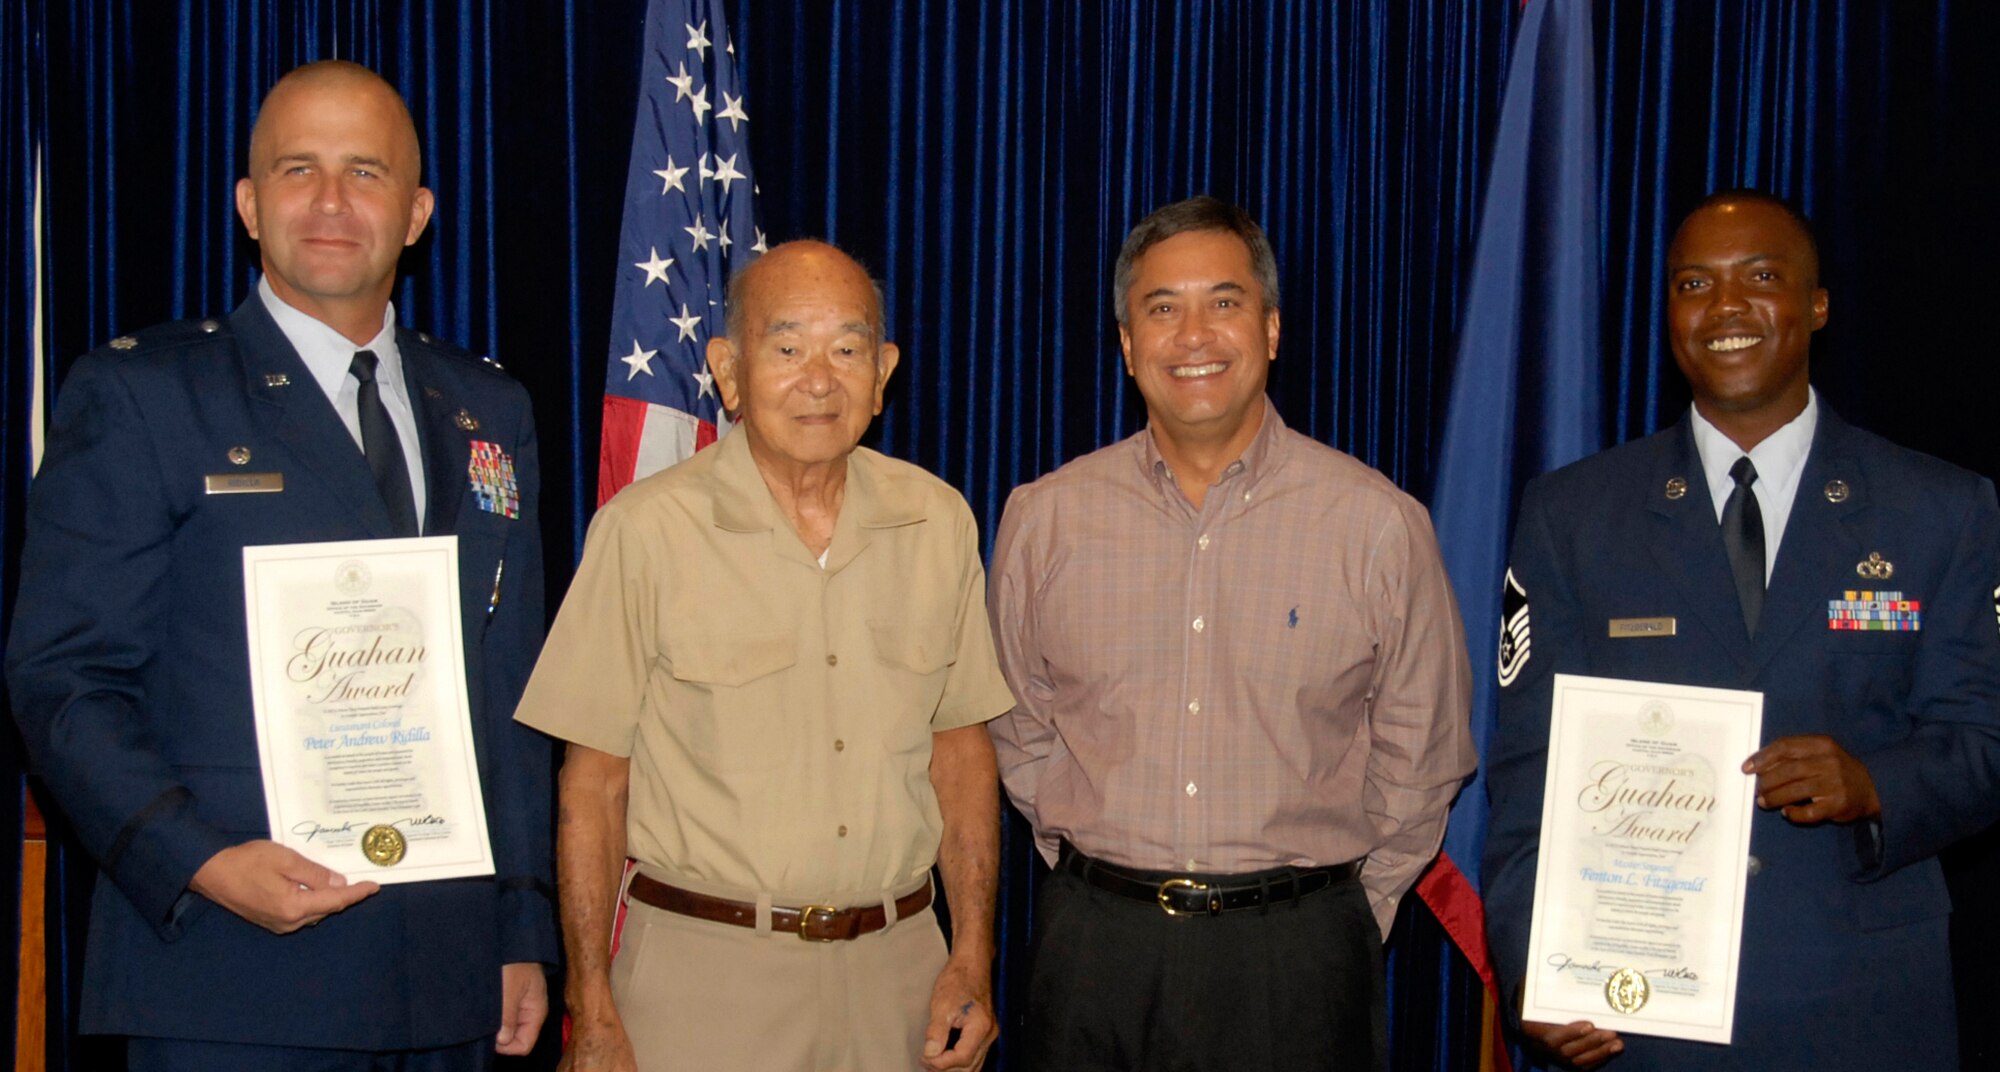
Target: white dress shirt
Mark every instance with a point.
(329, 355)
(1780, 460)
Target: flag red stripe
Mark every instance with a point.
(1451, 898)
(624, 423)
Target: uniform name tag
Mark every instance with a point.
(1642, 627)
(242, 483)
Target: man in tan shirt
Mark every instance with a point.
(772, 669)
(1243, 696)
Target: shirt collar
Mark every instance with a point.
(328, 354)
(743, 502)
(1260, 458)
(1780, 458)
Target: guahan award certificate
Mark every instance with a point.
(1638, 918)
(357, 679)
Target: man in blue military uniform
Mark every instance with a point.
(211, 946)
(1748, 525)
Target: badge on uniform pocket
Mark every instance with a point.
(491, 471)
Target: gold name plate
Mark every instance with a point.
(1641, 627)
(242, 483)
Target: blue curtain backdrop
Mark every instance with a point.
(985, 160)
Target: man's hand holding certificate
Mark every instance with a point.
(1638, 911)
(357, 672)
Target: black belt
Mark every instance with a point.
(1203, 895)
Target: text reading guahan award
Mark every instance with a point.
(1638, 918)
(357, 680)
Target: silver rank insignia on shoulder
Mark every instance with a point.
(123, 342)
(488, 358)
(277, 379)
(239, 455)
(1875, 567)
(467, 421)
(1837, 491)
(1676, 488)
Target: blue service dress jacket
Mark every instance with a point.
(1844, 956)
(129, 677)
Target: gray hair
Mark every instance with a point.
(1201, 213)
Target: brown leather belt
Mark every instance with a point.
(814, 923)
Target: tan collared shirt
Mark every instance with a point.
(1277, 678)
(778, 714)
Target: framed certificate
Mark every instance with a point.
(1638, 917)
(357, 680)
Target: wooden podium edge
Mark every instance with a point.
(31, 1003)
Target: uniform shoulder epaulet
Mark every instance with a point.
(459, 353)
(176, 335)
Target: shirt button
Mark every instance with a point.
(843, 830)
(1190, 865)
(840, 746)
(1198, 625)
(1190, 789)
(1194, 708)
(1246, 496)
(1203, 542)
(832, 659)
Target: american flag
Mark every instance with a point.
(690, 220)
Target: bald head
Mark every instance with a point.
(341, 77)
(332, 196)
(804, 258)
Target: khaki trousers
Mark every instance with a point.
(704, 996)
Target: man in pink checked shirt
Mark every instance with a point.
(1243, 695)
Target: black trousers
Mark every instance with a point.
(181, 1055)
(1119, 984)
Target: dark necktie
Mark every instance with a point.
(384, 449)
(1743, 538)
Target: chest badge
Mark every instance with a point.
(239, 455)
(1875, 567)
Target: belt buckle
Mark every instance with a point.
(809, 913)
(1180, 883)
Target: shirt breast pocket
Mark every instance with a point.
(915, 657)
(735, 715)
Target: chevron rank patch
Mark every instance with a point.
(1513, 629)
(1875, 611)
(492, 474)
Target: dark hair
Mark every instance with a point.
(1752, 195)
(1201, 213)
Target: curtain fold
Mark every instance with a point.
(985, 160)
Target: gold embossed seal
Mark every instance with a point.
(384, 846)
(1626, 991)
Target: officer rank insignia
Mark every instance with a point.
(1513, 629)
(1875, 612)
(492, 474)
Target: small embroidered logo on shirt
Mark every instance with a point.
(1875, 612)
(492, 473)
(1292, 619)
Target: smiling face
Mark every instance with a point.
(1743, 301)
(1199, 339)
(808, 372)
(332, 195)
